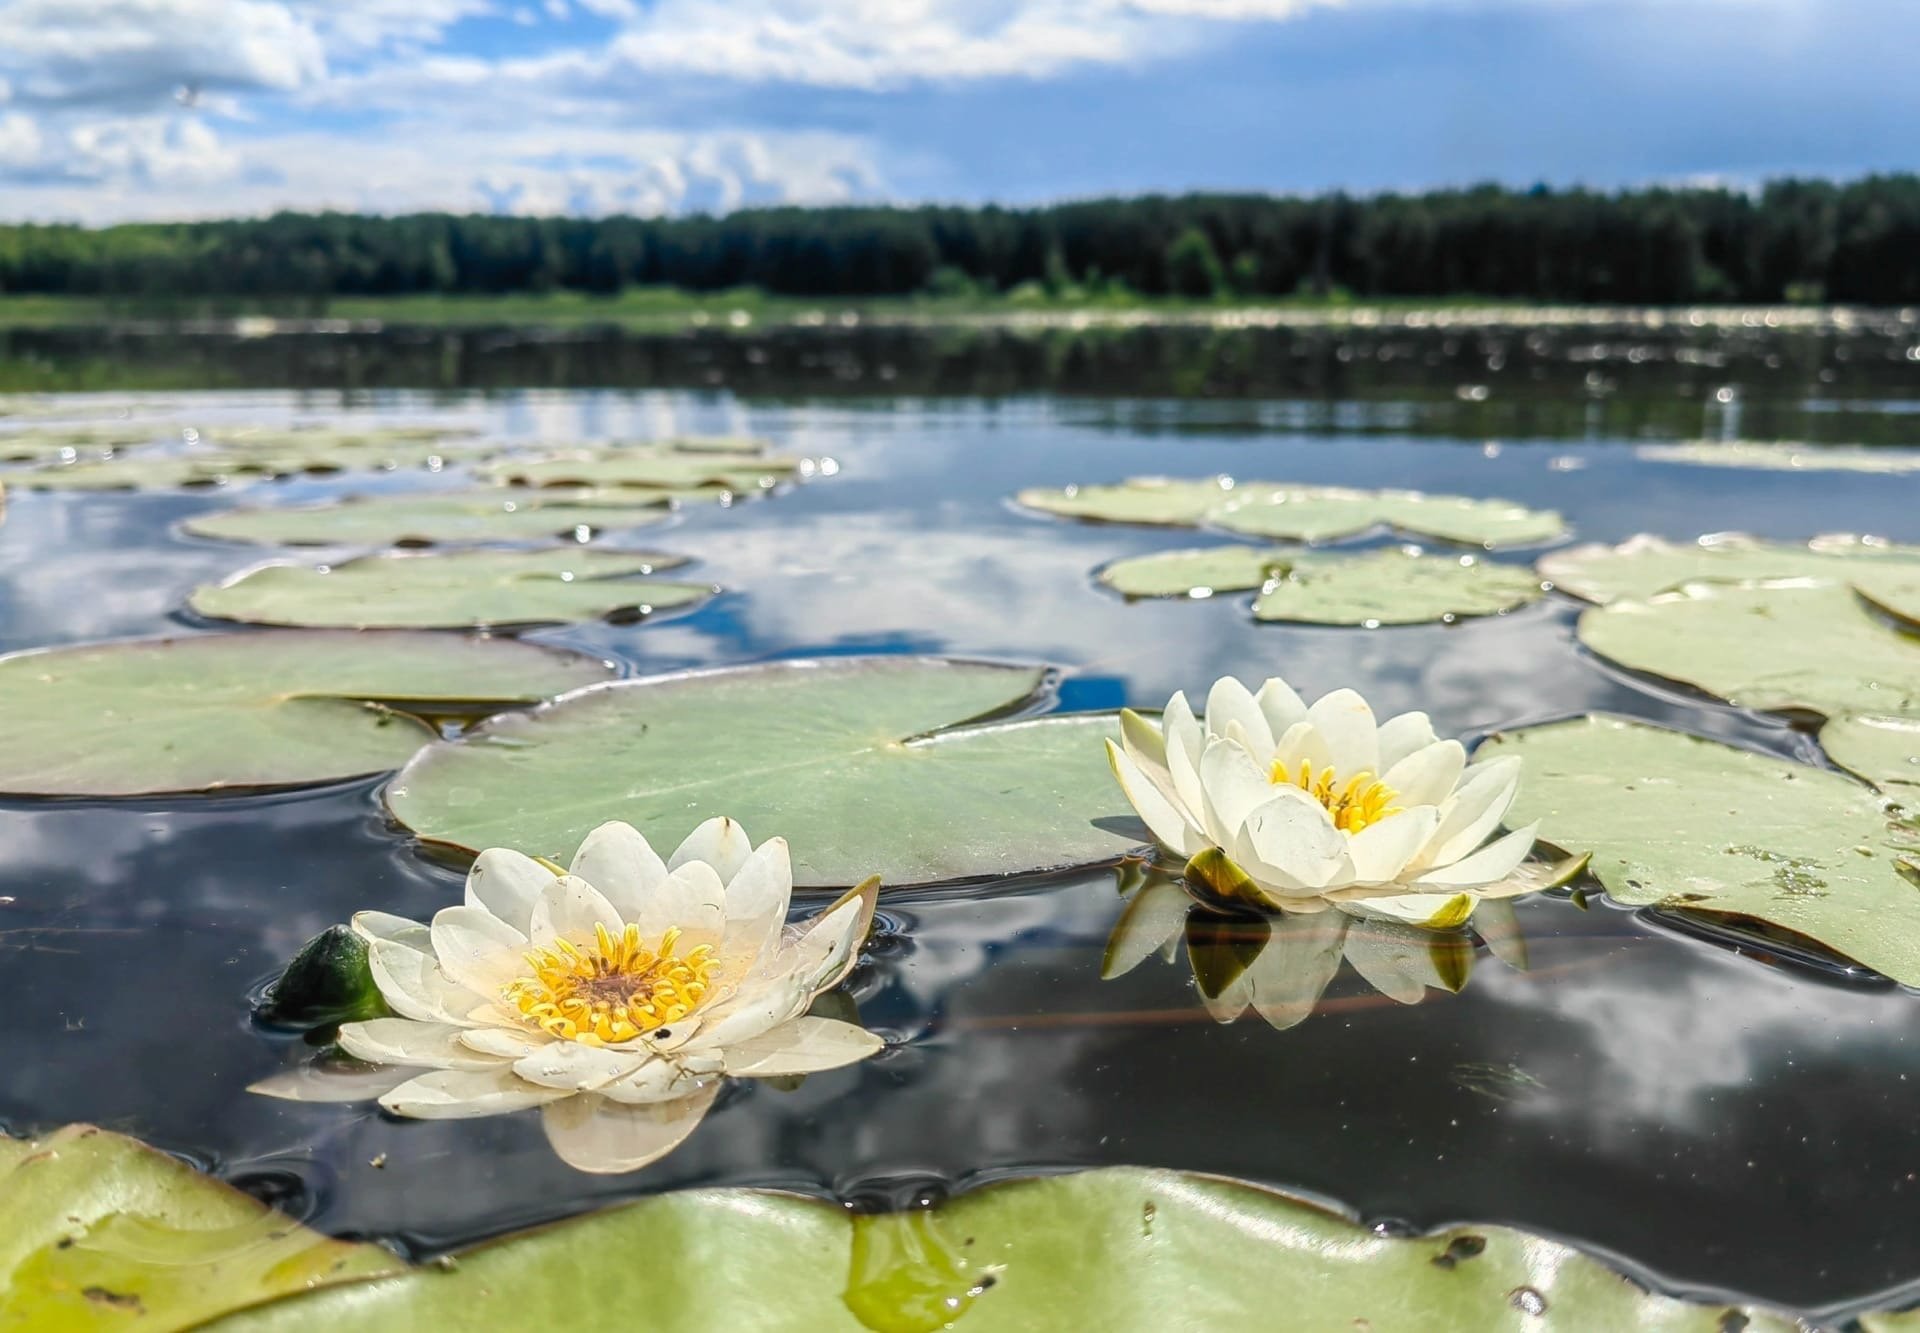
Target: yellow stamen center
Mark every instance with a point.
(614, 990)
(1359, 801)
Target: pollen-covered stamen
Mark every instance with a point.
(1354, 804)
(613, 991)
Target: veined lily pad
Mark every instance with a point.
(489, 515)
(456, 590)
(272, 709)
(652, 467)
(1794, 644)
(1387, 587)
(1119, 1250)
(1783, 457)
(860, 762)
(1642, 566)
(1300, 513)
(1883, 750)
(99, 1232)
(1680, 822)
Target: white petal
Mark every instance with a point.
(617, 860)
(751, 1013)
(1301, 958)
(662, 1081)
(1435, 911)
(477, 949)
(1280, 706)
(1303, 743)
(569, 909)
(371, 926)
(1382, 850)
(1292, 834)
(1489, 865)
(1229, 701)
(602, 1136)
(720, 842)
(757, 898)
(325, 1083)
(1183, 768)
(1151, 920)
(1163, 819)
(1183, 731)
(1401, 735)
(507, 1043)
(461, 1094)
(1346, 724)
(575, 1067)
(806, 1045)
(825, 947)
(506, 883)
(1234, 783)
(1476, 808)
(1427, 776)
(1142, 739)
(403, 1041)
(691, 898)
(414, 987)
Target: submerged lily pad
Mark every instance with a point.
(1883, 750)
(1784, 457)
(489, 515)
(1122, 1250)
(1300, 513)
(269, 709)
(456, 590)
(1679, 822)
(99, 1232)
(677, 466)
(1642, 566)
(1386, 587)
(1788, 645)
(860, 762)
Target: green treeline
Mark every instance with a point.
(1793, 240)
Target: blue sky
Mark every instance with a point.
(115, 109)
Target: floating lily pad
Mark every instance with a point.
(1883, 750)
(73, 445)
(1679, 822)
(456, 590)
(1773, 646)
(321, 437)
(1300, 513)
(860, 762)
(1196, 573)
(99, 1232)
(1120, 1250)
(1784, 457)
(1642, 566)
(489, 515)
(321, 456)
(270, 709)
(652, 467)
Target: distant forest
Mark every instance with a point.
(1791, 241)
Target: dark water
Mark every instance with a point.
(1714, 1117)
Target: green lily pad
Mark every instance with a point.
(1790, 645)
(1196, 573)
(1122, 1250)
(321, 455)
(456, 590)
(1300, 513)
(99, 1232)
(652, 467)
(437, 518)
(147, 473)
(1883, 750)
(70, 446)
(268, 709)
(1679, 822)
(322, 437)
(1393, 587)
(860, 762)
(1642, 566)
(1783, 457)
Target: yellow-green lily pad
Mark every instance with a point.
(435, 519)
(1883, 750)
(1201, 572)
(1642, 566)
(234, 711)
(1680, 822)
(1784, 457)
(236, 463)
(100, 1233)
(1372, 588)
(451, 590)
(1300, 513)
(674, 467)
(862, 763)
(1121, 1250)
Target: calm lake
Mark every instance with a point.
(1711, 1114)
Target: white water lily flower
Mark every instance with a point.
(618, 996)
(1306, 808)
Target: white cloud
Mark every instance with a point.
(19, 140)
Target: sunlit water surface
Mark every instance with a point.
(1712, 1116)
